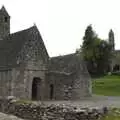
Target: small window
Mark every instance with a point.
(6, 19)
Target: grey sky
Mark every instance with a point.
(62, 22)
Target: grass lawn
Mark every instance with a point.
(114, 114)
(107, 85)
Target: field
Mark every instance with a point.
(107, 85)
(114, 114)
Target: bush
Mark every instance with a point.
(116, 73)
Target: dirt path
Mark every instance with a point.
(94, 101)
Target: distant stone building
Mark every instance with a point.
(27, 71)
(115, 61)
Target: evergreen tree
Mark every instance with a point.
(89, 36)
(104, 56)
(88, 43)
(95, 52)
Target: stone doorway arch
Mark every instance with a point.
(36, 84)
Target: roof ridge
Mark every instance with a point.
(27, 29)
(64, 55)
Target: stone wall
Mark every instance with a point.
(70, 76)
(68, 86)
(23, 80)
(115, 61)
(61, 83)
(5, 82)
(34, 51)
(35, 111)
(31, 62)
(82, 85)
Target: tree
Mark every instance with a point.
(87, 47)
(104, 56)
(89, 37)
(95, 51)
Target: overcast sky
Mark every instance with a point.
(62, 22)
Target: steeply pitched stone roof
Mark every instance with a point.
(13, 43)
(67, 64)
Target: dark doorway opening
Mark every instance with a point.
(36, 88)
(51, 91)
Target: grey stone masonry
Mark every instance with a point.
(27, 71)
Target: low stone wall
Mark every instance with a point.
(38, 111)
(32, 111)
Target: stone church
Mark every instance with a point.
(115, 61)
(27, 71)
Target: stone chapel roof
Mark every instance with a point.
(67, 64)
(11, 45)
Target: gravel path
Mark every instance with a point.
(94, 101)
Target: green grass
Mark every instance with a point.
(107, 85)
(114, 114)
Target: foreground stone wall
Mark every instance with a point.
(38, 111)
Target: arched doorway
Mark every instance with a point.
(51, 91)
(36, 88)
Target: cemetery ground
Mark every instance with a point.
(108, 85)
